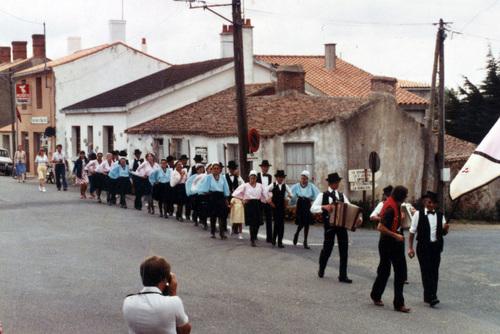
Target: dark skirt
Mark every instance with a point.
(122, 185)
(99, 181)
(217, 206)
(201, 205)
(161, 192)
(253, 213)
(179, 194)
(303, 215)
(146, 187)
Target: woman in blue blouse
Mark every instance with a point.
(160, 180)
(121, 176)
(304, 193)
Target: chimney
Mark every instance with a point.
(4, 54)
(74, 44)
(330, 56)
(227, 48)
(19, 50)
(383, 85)
(38, 46)
(144, 46)
(117, 31)
(290, 78)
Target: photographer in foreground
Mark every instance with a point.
(156, 309)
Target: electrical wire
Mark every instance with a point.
(19, 18)
(478, 14)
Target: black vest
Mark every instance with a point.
(232, 184)
(325, 214)
(279, 196)
(136, 164)
(269, 177)
(424, 228)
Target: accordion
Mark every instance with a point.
(345, 215)
(407, 215)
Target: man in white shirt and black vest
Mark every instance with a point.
(430, 226)
(323, 205)
(266, 179)
(280, 194)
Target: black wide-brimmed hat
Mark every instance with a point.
(183, 157)
(123, 153)
(333, 178)
(137, 152)
(280, 173)
(232, 164)
(431, 195)
(198, 158)
(388, 190)
(265, 163)
(170, 158)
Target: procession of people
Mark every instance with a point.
(206, 196)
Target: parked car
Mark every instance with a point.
(6, 164)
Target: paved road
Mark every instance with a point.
(66, 264)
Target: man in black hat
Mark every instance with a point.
(136, 180)
(137, 159)
(279, 195)
(430, 226)
(323, 205)
(266, 180)
(184, 160)
(198, 159)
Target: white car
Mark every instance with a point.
(6, 164)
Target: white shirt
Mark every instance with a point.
(316, 206)
(432, 222)
(58, 156)
(104, 167)
(41, 160)
(153, 313)
(378, 209)
(177, 178)
(240, 180)
(288, 192)
(145, 169)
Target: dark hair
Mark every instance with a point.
(92, 156)
(82, 152)
(399, 193)
(163, 160)
(154, 270)
(58, 145)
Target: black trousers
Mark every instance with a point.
(218, 210)
(61, 176)
(139, 191)
(429, 258)
(267, 216)
(254, 231)
(329, 242)
(279, 225)
(392, 252)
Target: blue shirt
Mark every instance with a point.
(310, 191)
(210, 184)
(158, 175)
(118, 171)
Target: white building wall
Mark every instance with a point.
(95, 74)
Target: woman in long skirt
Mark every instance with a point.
(160, 179)
(178, 184)
(304, 193)
(143, 172)
(192, 184)
(120, 173)
(253, 195)
(105, 182)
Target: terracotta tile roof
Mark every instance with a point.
(121, 96)
(412, 84)
(77, 55)
(215, 116)
(345, 80)
(457, 149)
(6, 66)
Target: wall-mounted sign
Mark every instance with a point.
(203, 151)
(23, 95)
(39, 120)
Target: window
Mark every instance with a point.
(233, 152)
(158, 149)
(298, 157)
(90, 138)
(176, 147)
(75, 140)
(39, 98)
(107, 139)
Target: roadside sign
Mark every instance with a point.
(356, 175)
(252, 157)
(374, 161)
(362, 186)
(23, 95)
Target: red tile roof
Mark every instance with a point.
(121, 96)
(457, 149)
(345, 80)
(215, 116)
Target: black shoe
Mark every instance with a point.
(269, 241)
(254, 244)
(58, 189)
(281, 246)
(434, 302)
(65, 189)
(321, 273)
(123, 206)
(212, 236)
(306, 246)
(345, 280)
(205, 227)
(273, 243)
(295, 239)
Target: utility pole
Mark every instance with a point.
(441, 153)
(239, 76)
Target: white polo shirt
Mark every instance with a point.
(153, 313)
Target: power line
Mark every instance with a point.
(19, 18)
(477, 14)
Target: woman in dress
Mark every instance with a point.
(143, 172)
(20, 163)
(253, 195)
(99, 178)
(304, 193)
(120, 173)
(178, 184)
(41, 163)
(197, 200)
(107, 183)
(90, 169)
(160, 179)
(81, 174)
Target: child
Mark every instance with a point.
(237, 216)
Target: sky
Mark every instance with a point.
(384, 37)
